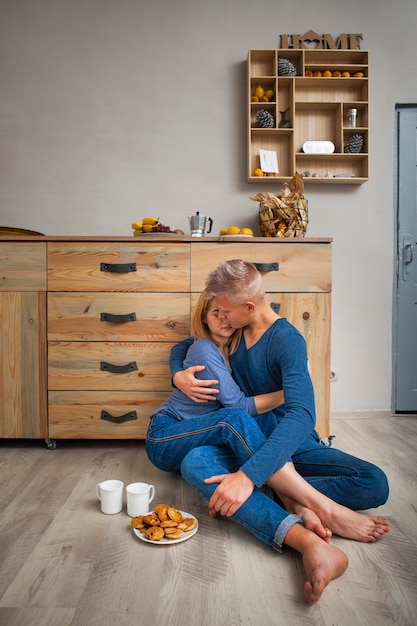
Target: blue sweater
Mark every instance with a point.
(278, 360)
(205, 352)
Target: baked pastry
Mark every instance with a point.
(174, 514)
(155, 533)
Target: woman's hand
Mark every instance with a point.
(233, 491)
(195, 388)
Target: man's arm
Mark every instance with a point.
(196, 389)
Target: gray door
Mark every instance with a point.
(405, 289)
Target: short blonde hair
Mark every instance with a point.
(238, 280)
(199, 326)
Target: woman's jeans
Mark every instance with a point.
(222, 441)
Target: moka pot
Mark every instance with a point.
(198, 224)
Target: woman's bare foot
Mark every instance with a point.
(310, 519)
(322, 563)
(352, 525)
(312, 522)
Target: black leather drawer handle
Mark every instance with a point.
(267, 267)
(119, 268)
(127, 417)
(118, 369)
(275, 306)
(117, 319)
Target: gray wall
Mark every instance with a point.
(111, 110)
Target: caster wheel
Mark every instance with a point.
(50, 444)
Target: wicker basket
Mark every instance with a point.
(287, 220)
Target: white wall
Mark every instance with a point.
(114, 109)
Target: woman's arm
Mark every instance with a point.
(197, 389)
(230, 394)
(269, 401)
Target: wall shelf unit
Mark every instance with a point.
(312, 105)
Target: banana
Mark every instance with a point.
(137, 232)
(150, 220)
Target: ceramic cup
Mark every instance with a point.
(139, 497)
(110, 494)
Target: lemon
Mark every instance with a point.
(269, 94)
(259, 91)
(246, 231)
(254, 99)
(309, 73)
(327, 73)
(317, 74)
(336, 74)
(233, 230)
(359, 75)
(346, 74)
(258, 172)
(223, 232)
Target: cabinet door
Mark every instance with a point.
(310, 314)
(23, 365)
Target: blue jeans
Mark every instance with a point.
(218, 443)
(222, 441)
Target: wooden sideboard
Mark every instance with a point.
(87, 324)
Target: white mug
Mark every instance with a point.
(110, 494)
(139, 497)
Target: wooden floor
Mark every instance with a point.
(63, 562)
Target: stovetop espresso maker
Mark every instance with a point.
(198, 224)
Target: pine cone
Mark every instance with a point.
(354, 144)
(286, 68)
(265, 119)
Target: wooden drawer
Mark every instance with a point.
(22, 266)
(136, 267)
(101, 414)
(110, 366)
(95, 316)
(301, 267)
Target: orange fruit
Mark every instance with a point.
(259, 91)
(258, 172)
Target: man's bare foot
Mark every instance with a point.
(322, 563)
(353, 525)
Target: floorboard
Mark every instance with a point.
(62, 562)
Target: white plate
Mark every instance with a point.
(168, 542)
(158, 235)
(238, 235)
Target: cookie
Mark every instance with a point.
(174, 514)
(187, 524)
(151, 519)
(137, 522)
(172, 533)
(169, 523)
(155, 533)
(162, 512)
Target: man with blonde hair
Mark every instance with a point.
(272, 355)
